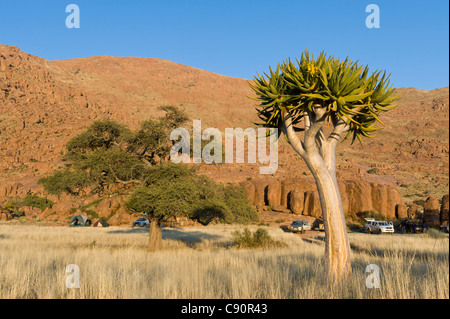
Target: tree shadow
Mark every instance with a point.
(173, 233)
(188, 237)
(140, 230)
(317, 240)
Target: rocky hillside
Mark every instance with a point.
(45, 103)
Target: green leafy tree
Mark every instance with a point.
(152, 142)
(108, 152)
(328, 99)
(176, 190)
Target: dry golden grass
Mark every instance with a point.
(201, 263)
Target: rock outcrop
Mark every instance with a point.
(300, 196)
(431, 212)
(401, 211)
(296, 200)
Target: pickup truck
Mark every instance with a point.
(378, 227)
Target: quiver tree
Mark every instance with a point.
(328, 100)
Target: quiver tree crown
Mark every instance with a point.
(343, 88)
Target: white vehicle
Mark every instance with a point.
(306, 225)
(300, 226)
(378, 227)
(141, 222)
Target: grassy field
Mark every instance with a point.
(201, 263)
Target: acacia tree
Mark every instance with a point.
(108, 152)
(328, 100)
(175, 190)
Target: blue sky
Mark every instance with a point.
(238, 38)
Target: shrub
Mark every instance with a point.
(373, 171)
(434, 233)
(13, 204)
(38, 202)
(259, 239)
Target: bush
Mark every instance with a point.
(434, 233)
(38, 202)
(259, 239)
(13, 204)
(373, 171)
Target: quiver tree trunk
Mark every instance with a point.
(155, 238)
(318, 153)
(337, 247)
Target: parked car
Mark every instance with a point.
(410, 226)
(306, 225)
(378, 227)
(141, 222)
(300, 226)
(318, 225)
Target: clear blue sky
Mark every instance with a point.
(238, 38)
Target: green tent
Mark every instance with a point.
(80, 220)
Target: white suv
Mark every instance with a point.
(378, 227)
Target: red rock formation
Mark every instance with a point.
(431, 213)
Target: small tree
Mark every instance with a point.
(327, 99)
(176, 190)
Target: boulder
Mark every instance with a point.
(401, 211)
(413, 211)
(31, 212)
(106, 207)
(296, 201)
(359, 195)
(288, 185)
(312, 204)
(379, 194)
(431, 212)
(5, 216)
(121, 218)
(444, 209)
(394, 198)
(260, 193)
(63, 208)
(274, 193)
